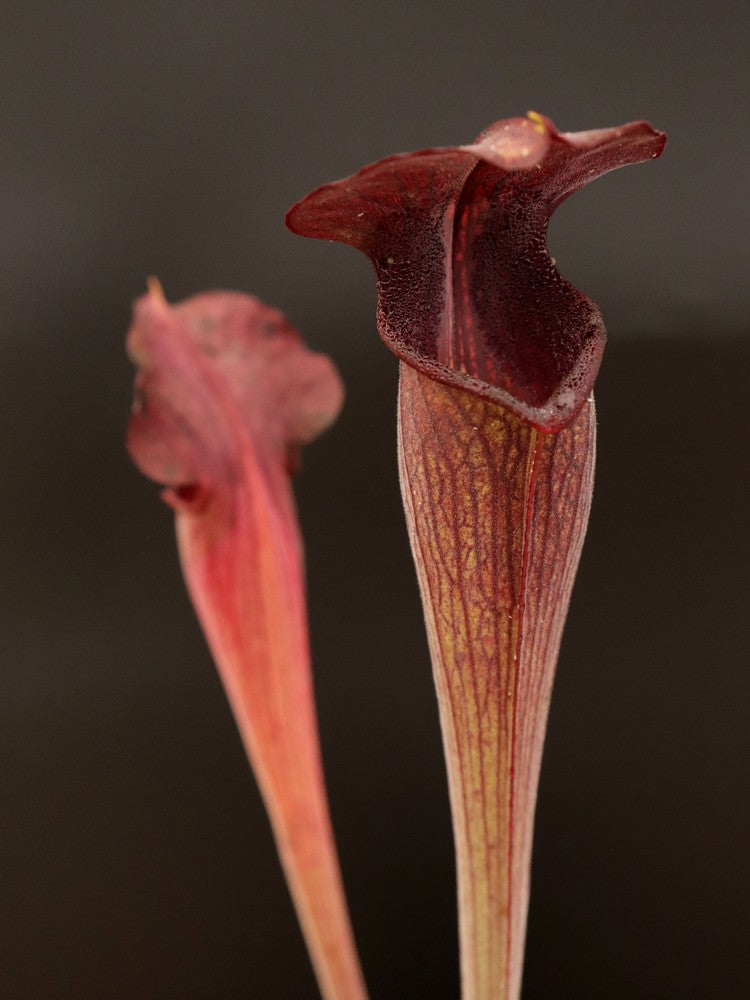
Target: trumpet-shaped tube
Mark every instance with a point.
(225, 395)
(496, 451)
(496, 513)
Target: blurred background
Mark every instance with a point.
(170, 138)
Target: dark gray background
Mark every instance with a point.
(170, 138)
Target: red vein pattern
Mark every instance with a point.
(498, 352)
(496, 513)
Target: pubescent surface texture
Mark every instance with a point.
(467, 290)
